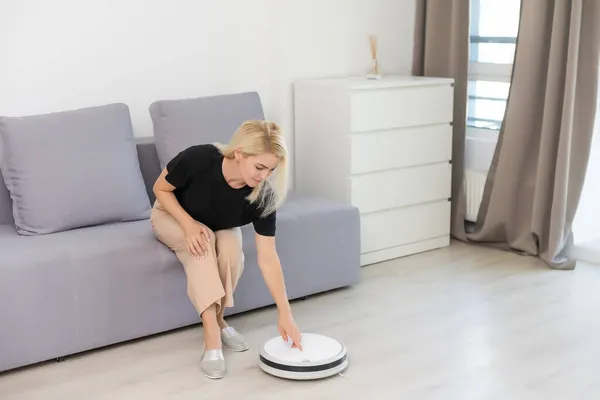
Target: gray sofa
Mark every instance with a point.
(79, 289)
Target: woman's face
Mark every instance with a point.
(255, 169)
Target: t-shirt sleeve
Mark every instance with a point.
(266, 226)
(187, 164)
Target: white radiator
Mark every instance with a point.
(474, 183)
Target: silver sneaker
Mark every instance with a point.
(233, 340)
(213, 364)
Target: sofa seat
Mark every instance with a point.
(318, 243)
(85, 288)
(90, 287)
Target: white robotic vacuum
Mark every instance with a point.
(321, 357)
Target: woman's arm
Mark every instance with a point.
(269, 263)
(270, 266)
(163, 191)
(196, 233)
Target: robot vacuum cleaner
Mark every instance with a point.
(321, 357)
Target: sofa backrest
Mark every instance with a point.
(149, 166)
(5, 204)
(180, 123)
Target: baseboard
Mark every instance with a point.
(404, 250)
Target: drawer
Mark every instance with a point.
(401, 187)
(401, 107)
(385, 229)
(397, 148)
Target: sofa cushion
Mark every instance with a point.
(181, 123)
(72, 169)
(318, 243)
(75, 290)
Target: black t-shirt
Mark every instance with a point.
(203, 192)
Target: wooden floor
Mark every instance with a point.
(459, 323)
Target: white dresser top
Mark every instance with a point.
(387, 81)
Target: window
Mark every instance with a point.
(493, 31)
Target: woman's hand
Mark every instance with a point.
(287, 328)
(197, 237)
(269, 263)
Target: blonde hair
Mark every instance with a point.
(255, 137)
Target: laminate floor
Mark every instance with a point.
(463, 322)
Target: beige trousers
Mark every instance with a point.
(209, 280)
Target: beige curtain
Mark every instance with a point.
(441, 48)
(538, 170)
(539, 166)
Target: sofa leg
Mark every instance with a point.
(303, 297)
(60, 359)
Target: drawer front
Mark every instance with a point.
(400, 107)
(397, 148)
(400, 226)
(401, 187)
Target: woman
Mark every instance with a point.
(203, 197)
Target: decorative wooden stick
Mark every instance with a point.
(375, 72)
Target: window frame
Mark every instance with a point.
(484, 71)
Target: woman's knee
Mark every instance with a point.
(229, 239)
(166, 228)
(231, 256)
(229, 247)
(212, 238)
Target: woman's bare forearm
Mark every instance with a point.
(273, 275)
(275, 281)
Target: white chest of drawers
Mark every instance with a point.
(384, 146)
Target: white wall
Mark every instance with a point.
(585, 226)
(65, 54)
